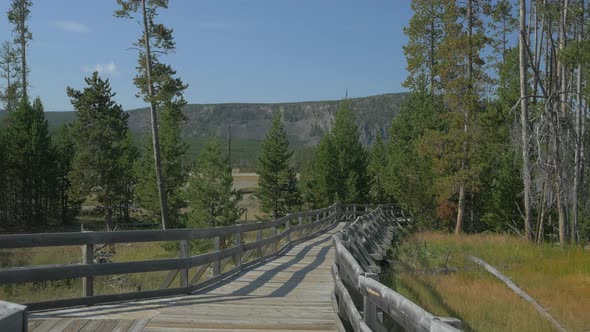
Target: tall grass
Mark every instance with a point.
(558, 278)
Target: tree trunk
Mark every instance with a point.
(108, 210)
(23, 53)
(524, 123)
(578, 147)
(541, 219)
(562, 74)
(154, 117)
(466, 108)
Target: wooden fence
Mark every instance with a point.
(230, 254)
(360, 247)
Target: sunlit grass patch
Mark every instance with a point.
(558, 278)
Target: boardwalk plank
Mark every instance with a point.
(291, 292)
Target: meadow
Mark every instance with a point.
(432, 270)
(124, 252)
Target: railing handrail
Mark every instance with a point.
(347, 269)
(306, 224)
(128, 236)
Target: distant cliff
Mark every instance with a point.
(305, 122)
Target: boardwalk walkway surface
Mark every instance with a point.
(292, 292)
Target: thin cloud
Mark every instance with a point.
(109, 69)
(71, 26)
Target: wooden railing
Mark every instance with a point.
(230, 254)
(360, 247)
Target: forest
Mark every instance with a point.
(491, 138)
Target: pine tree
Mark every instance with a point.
(4, 187)
(293, 198)
(18, 16)
(125, 191)
(275, 175)
(212, 200)
(64, 147)
(99, 131)
(8, 72)
(174, 169)
(462, 77)
(351, 182)
(425, 32)
(30, 164)
(377, 171)
(154, 79)
(412, 187)
(318, 178)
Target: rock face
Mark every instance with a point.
(305, 122)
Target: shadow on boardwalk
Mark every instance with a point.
(202, 297)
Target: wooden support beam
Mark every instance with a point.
(217, 262)
(88, 259)
(184, 253)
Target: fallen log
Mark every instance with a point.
(518, 291)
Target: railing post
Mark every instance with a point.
(88, 258)
(274, 243)
(370, 309)
(300, 221)
(259, 238)
(217, 262)
(238, 239)
(317, 218)
(184, 253)
(287, 229)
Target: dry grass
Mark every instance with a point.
(558, 278)
(60, 289)
(125, 252)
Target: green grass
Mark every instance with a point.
(558, 278)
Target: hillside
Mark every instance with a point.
(305, 122)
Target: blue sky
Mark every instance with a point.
(227, 50)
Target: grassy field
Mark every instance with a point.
(33, 292)
(115, 284)
(558, 278)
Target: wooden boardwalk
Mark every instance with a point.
(292, 292)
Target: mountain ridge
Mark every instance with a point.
(305, 122)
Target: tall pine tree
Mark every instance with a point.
(100, 132)
(213, 201)
(276, 181)
(30, 164)
(377, 170)
(18, 15)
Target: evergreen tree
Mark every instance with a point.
(412, 187)
(293, 198)
(4, 180)
(351, 180)
(30, 165)
(175, 171)
(212, 200)
(318, 178)
(154, 79)
(377, 171)
(100, 131)
(462, 80)
(276, 181)
(68, 207)
(8, 72)
(125, 192)
(18, 15)
(425, 31)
